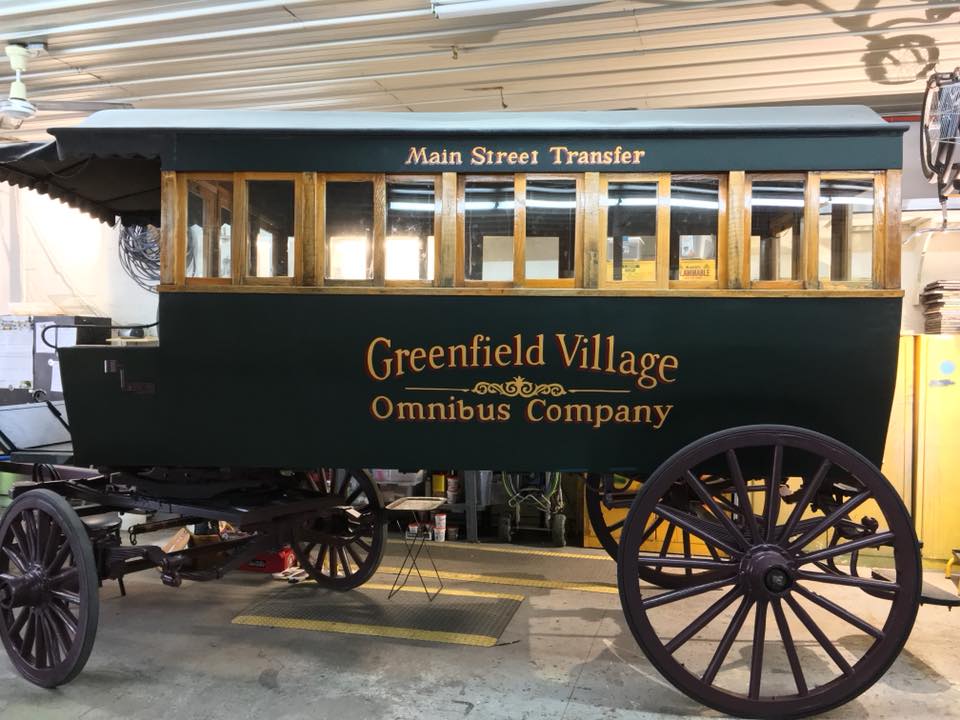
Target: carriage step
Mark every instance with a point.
(929, 594)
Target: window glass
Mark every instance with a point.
(208, 228)
(694, 223)
(488, 230)
(846, 229)
(776, 229)
(551, 228)
(631, 231)
(270, 228)
(349, 230)
(410, 247)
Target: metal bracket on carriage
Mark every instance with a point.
(132, 386)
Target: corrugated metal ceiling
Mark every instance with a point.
(396, 55)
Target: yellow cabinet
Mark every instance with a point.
(937, 498)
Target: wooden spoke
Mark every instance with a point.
(684, 593)
(616, 526)
(703, 619)
(333, 561)
(772, 509)
(817, 633)
(362, 543)
(809, 492)
(32, 535)
(686, 553)
(18, 534)
(26, 643)
(789, 647)
(59, 557)
(15, 558)
(685, 521)
(687, 562)
(756, 659)
(859, 582)
(66, 595)
(666, 544)
(740, 486)
(727, 640)
(343, 561)
(847, 547)
(18, 624)
(354, 554)
(69, 576)
(829, 520)
(840, 612)
(65, 616)
(707, 499)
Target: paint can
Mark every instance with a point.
(453, 532)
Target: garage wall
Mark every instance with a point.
(56, 260)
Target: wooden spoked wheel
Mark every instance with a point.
(49, 602)
(774, 633)
(343, 550)
(671, 541)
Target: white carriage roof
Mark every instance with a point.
(712, 119)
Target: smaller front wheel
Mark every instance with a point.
(49, 602)
(343, 550)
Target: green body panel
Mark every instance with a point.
(281, 379)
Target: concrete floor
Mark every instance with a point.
(173, 653)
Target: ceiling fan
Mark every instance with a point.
(16, 108)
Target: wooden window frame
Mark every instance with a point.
(878, 247)
(520, 231)
(662, 270)
(722, 233)
(437, 225)
(379, 226)
(241, 202)
(183, 181)
(748, 281)
(460, 278)
(520, 234)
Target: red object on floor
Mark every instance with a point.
(272, 562)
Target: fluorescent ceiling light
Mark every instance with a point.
(444, 9)
(847, 201)
(563, 204)
(412, 206)
(776, 202)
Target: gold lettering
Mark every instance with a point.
(386, 363)
(662, 412)
(417, 156)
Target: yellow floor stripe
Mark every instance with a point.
(371, 630)
(519, 581)
(459, 592)
(516, 550)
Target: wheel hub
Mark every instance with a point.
(19, 590)
(767, 571)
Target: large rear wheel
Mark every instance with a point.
(775, 632)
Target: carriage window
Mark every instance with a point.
(349, 230)
(550, 228)
(694, 227)
(209, 220)
(270, 239)
(410, 250)
(631, 231)
(846, 229)
(776, 228)
(488, 229)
